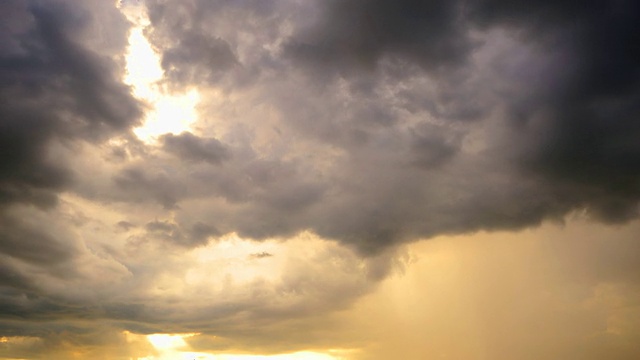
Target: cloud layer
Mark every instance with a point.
(329, 135)
(399, 120)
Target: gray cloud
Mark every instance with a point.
(440, 88)
(585, 119)
(22, 240)
(196, 49)
(368, 123)
(360, 33)
(190, 147)
(197, 58)
(125, 225)
(59, 86)
(53, 88)
(197, 234)
(261, 255)
(138, 184)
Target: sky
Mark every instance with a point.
(319, 179)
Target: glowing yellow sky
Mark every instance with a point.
(174, 346)
(466, 297)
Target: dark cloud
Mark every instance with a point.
(195, 235)
(197, 58)
(11, 277)
(52, 88)
(261, 255)
(22, 240)
(200, 232)
(556, 107)
(59, 86)
(359, 33)
(432, 147)
(437, 118)
(201, 42)
(60, 342)
(579, 132)
(138, 184)
(125, 225)
(190, 147)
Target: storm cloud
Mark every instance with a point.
(424, 118)
(329, 136)
(54, 89)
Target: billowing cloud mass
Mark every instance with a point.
(329, 137)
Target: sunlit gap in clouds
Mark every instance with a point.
(174, 346)
(239, 263)
(229, 269)
(168, 112)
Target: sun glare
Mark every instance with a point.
(303, 355)
(168, 341)
(168, 112)
(174, 346)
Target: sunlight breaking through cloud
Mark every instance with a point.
(168, 112)
(174, 346)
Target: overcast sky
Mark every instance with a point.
(321, 179)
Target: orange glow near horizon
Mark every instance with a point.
(174, 346)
